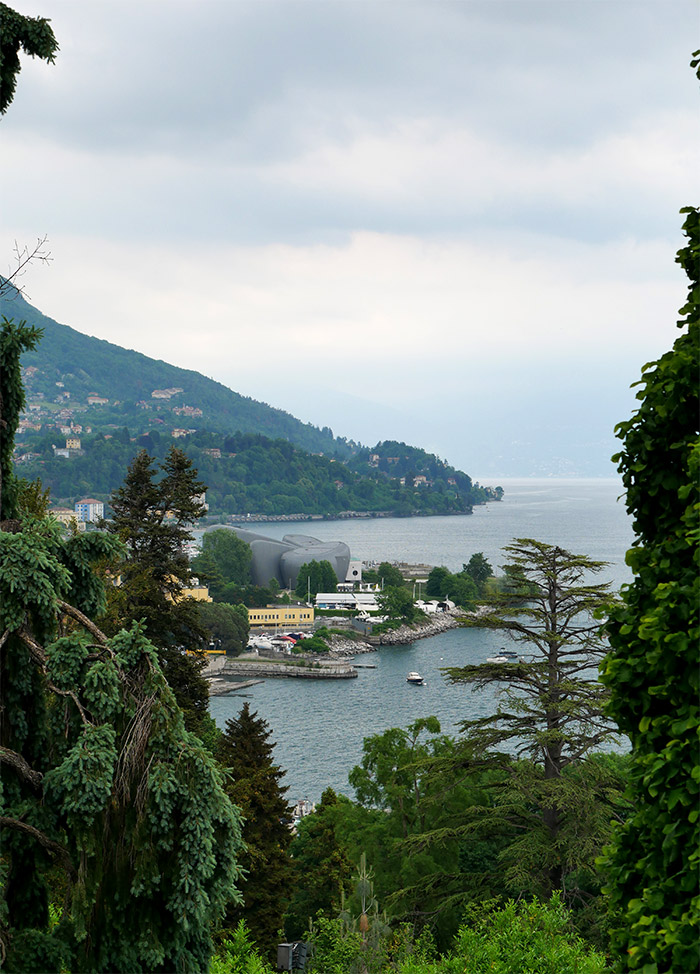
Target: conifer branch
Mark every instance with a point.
(70, 610)
(16, 761)
(55, 848)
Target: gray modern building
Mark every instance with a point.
(283, 559)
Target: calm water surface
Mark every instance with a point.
(319, 727)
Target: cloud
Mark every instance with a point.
(382, 216)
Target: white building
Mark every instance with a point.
(363, 601)
(89, 509)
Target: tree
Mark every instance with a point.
(552, 707)
(322, 870)
(226, 624)
(515, 938)
(227, 555)
(33, 35)
(652, 670)
(479, 570)
(314, 577)
(438, 582)
(153, 518)
(14, 339)
(460, 588)
(389, 574)
(107, 802)
(403, 799)
(397, 604)
(255, 786)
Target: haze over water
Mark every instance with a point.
(318, 727)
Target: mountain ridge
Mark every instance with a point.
(121, 374)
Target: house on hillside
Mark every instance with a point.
(68, 518)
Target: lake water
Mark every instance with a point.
(318, 727)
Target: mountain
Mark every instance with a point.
(92, 405)
(68, 366)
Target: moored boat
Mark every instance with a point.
(504, 657)
(415, 678)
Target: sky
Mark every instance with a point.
(448, 223)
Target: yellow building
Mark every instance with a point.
(281, 617)
(68, 518)
(200, 593)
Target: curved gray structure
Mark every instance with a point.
(283, 559)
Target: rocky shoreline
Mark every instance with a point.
(344, 646)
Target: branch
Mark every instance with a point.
(53, 847)
(70, 610)
(23, 258)
(39, 657)
(17, 762)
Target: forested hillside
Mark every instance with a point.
(244, 473)
(67, 367)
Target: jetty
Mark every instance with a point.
(251, 669)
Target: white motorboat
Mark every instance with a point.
(415, 678)
(504, 657)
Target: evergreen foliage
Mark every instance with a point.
(237, 954)
(106, 799)
(397, 605)
(14, 339)
(322, 870)
(33, 36)
(653, 669)
(479, 570)
(153, 518)
(254, 784)
(552, 706)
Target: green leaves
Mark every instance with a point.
(654, 667)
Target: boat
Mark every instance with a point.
(260, 642)
(416, 679)
(504, 657)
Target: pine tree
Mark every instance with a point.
(33, 36)
(153, 518)
(245, 751)
(551, 709)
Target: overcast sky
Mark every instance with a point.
(452, 224)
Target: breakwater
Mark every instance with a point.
(342, 646)
(294, 669)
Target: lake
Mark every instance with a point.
(318, 727)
